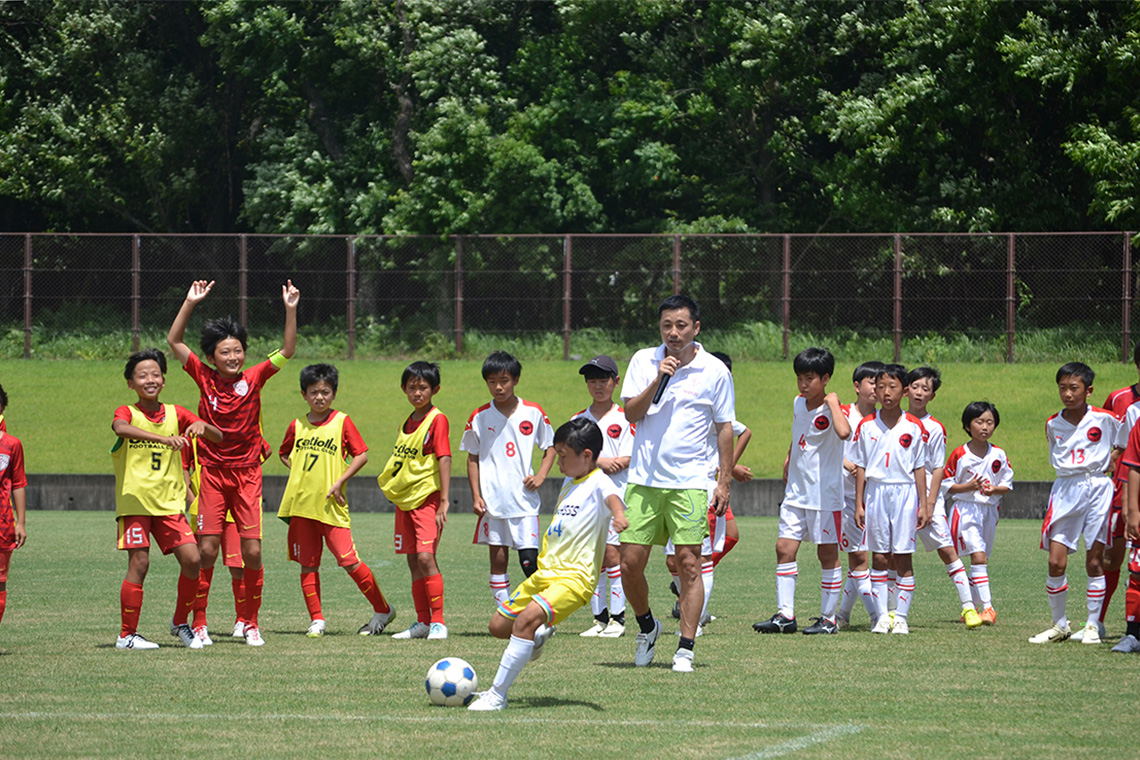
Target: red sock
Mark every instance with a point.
(310, 589)
(1111, 580)
(420, 600)
(187, 597)
(1132, 600)
(254, 580)
(130, 605)
(729, 542)
(238, 585)
(434, 586)
(205, 578)
(366, 582)
(3, 602)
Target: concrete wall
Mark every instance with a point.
(756, 498)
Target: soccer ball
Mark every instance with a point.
(451, 682)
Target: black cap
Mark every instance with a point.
(602, 362)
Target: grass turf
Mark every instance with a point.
(940, 692)
(62, 410)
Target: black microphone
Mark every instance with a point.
(661, 388)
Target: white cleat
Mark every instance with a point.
(204, 635)
(436, 632)
(134, 641)
(487, 701)
(316, 629)
(183, 632)
(239, 630)
(253, 637)
(542, 635)
(683, 661)
(594, 630)
(417, 631)
(646, 645)
(613, 630)
(1090, 634)
(1051, 635)
(882, 625)
(378, 623)
(900, 626)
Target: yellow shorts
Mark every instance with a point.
(557, 594)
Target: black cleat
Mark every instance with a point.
(673, 588)
(821, 625)
(776, 624)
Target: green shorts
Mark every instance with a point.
(658, 514)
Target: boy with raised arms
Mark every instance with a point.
(231, 471)
(150, 495)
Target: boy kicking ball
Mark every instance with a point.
(570, 561)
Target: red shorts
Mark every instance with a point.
(415, 528)
(1115, 524)
(237, 491)
(169, 531)
(5, 559)
(712, 518)
(305, 542)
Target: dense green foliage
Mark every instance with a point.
(463, 116)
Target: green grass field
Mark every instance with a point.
(62, 410)
(941, 692)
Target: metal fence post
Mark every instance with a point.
(459, 295)
(27, 296)
(676, 264)
(786, 297)
(1010, 299)
(243, 272)
(350, 297)
(566, 278)
(898, 297)
(1126, 298)
(135, 295)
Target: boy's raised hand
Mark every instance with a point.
(199, 289)
(289, 294)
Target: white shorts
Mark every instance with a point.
(820, 527)
(613, 538)
(972, 526)
(714, 542)
(1078, 505)
(936, 534)
(513, 532)
(892, 517)
(853, 538)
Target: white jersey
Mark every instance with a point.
(1084, 448)
(890, 455)
(713, 452)
(1131, 417)
(993, 468)
(935, 454)
(617, 438)
(669, 449)
(575, 542)
(504, 447)
(853, 419)
(815, 462)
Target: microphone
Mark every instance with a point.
(661, 388)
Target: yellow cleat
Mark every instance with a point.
(971, 617)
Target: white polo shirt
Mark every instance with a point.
(669, 448)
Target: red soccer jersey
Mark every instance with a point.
(11, 477)
(234, 407)
(351, 440)
(436, 442)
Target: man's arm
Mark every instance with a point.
(290, 295)
(199, 289)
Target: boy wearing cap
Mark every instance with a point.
(602, 379)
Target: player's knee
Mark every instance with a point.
(528, 560)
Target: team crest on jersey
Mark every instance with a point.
(905, 440)
(1094, 434)
(996, 466)
(525, 427)
(241, 387)
(821, 423)
(4, 459)
(613, 431)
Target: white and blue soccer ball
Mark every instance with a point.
(451, 682)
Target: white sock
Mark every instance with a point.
(598, 600)
(905, 588)
(847, 600)
(501, 586)
(786, 589)
(879, 589)
(830, 588)
(892, 590)
(617, 591)
(866, 593)
(957, 572)
(980, 585)
(707, 582)
(1058, 589)
(515, 656)
(1095, 598)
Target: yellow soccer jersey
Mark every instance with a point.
(575, 542)
(318, 460)
(148, 475)
(411, 474)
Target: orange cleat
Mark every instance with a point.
(989, 616)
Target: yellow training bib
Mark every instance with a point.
(411, 475)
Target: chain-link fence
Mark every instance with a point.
(952, 297)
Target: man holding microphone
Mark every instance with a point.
(673, 393)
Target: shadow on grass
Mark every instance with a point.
(540, 702)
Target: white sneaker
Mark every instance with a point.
(486, 701)
(379, 622)
(204, 635)
(1053, 634)
(683, 661)
(900, 626)
(189, 640)
(1090, 634)
(1080, 635)
(842, 622)
(316, 629)
(436, 632)
(646, 645)
(882, 625)
(417, 631)
(542, 635)
(594, 630)
(134, 641)
(239, 630)
(253, 637)
(613, 630)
